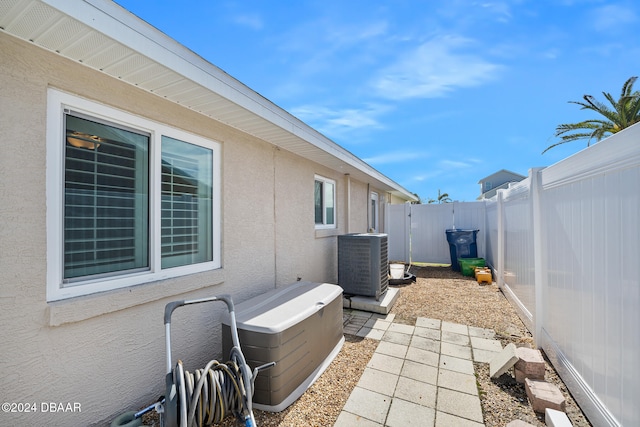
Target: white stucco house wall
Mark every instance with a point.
(135, 173)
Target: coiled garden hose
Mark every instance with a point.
(208, 395)
(211, 393)
(128, 419)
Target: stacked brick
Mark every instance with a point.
(543, 395)
(530, 364)
(529, 367)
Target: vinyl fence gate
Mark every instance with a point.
(417, 232)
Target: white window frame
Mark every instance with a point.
(324, 224)
(57, 103)
(374, 212)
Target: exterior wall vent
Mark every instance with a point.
(363, 264)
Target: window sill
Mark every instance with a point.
(85, 307)
(326, 232)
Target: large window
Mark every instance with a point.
(325, 202)
(129, 200)
(106, 199)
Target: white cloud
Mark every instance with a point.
(455, 164)
(325, 38)
(607, 49)
(501, 10)
(612, 18)
(434, 69)
(444, 168)
(321, 48)
(425, 176)
(396, 157)
(355, 34)
(251, 21)
(337, 122)
(551, 53)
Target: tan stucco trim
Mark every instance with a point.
(85, 307)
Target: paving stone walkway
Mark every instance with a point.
(419, 375)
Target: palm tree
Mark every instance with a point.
(625, 112)
(443, 197)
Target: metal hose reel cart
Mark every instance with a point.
(209, 394)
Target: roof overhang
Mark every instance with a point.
(503, 171)
(103, 36)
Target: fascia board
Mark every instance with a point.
(122, 26)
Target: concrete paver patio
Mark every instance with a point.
(419, 375)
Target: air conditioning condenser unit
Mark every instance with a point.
(363, 264)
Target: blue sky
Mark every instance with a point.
(434, 94)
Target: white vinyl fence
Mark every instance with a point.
(417, 232)
(565, 248)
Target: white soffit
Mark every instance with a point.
(102, 35)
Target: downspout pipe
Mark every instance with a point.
(347, 179)
(368, 207)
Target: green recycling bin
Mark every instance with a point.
(468, 265)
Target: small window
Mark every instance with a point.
(129, 200)
(325, 202)
(186, 203)
(375, 222)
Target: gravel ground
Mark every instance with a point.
(438, 293)
(322, 403)
(443, 294)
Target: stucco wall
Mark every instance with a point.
(358, 205)
(395, 199)
(299, 253)
(106, 351)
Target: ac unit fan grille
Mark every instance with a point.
(363, 264)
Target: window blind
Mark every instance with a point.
(186, 203)
(106, 199)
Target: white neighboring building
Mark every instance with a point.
(491, 184)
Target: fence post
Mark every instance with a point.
(485, 231)
(408, 251)
(500, 236)
(538, 260)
